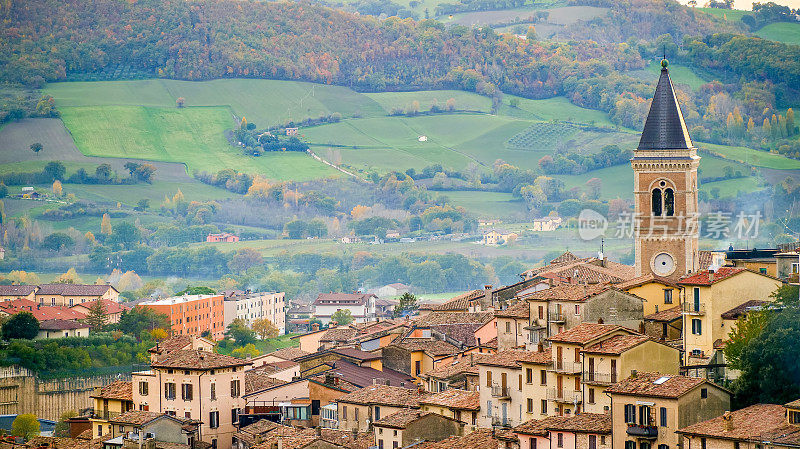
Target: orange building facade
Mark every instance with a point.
(192, 314)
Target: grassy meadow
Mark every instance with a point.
(788, 33)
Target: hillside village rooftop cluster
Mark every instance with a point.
(583, 352)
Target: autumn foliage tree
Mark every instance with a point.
(264, 328)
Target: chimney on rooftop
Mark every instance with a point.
(540, 347)
(727, 421)
(634, 373)
(314, 326)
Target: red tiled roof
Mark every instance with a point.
(74, 289)
(617, 344)
(566, 257)
(384, 395)
(742, 309)
(587, 270)
(136, 417)
(455, 399)
(757, 423)
(656, 385)
(520, 309)
(122, 390)
(435, 318)
(459, 303)
(362, 376)
(401, 418)
(587, 332)
(198, 360)
(111, 307)
(258, 379)
(568, 292)
(704, 259)
(581, 423)
(645, 279)
(432, 347)
(289, 353)
(479, 438)
(462, 364)
(61, 325)
(707, 278)
(339, 334)
(513, 359)
(39, 311)
(667, 315)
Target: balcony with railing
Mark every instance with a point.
(564, 395)
(562, 366)
(557, 317)
(690, 308)
(501, 392)
(598, 378)
(104, 415)
(642, 431)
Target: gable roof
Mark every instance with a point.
(568, 292)
(617, 344)
(74, 289)
(458, 303)
(479, 438)
(514, 359)
(707, 277)
(363, 376)
(384, 395)
(758, 423)
(121, 390)
(665, 128)
(437, 317)
(17, 290)
(646, 279)
(291, 353)
(61, 325)
(669, 386)
(580, 423)
(587, 332)
(138, 417)
(357, 354)
(566, 257)
(40, 312)
(258, 379)
(401, 418)
(197, 359)
(455, 399)
(666, 315)
(431, 347)
(520, 309)
(589, 270)
(742, 309)
(461, 364)
(338, 334)
(111, 307)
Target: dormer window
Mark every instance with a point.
(794, 417)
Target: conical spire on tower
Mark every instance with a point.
(664, 128)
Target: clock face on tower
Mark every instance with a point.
(663, 264)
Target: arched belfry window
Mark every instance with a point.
(669, 202)
(656, 201)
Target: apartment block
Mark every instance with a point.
(252, 306)
(199, 315)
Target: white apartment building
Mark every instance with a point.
(254, 306)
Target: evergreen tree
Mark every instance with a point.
(22, 325)
(105, 225)
(407, 305)
(97, 317)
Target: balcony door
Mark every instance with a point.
(591, 369)
(559, 385)
(559, 357)
(613, 371)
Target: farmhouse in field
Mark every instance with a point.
(546, 224)
(498, 237)
(223, 237)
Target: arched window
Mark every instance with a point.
(669, 202)
(656, 200)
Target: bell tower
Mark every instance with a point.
(665, 189)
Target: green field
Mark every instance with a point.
(487, 204)
(465, 101)
(753, 157)
(785, 32)
(678, 73)
(194, 136)
(729, 188)
(730, 15)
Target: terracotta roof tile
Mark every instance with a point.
(384, 395)
(41, 312)
(362, 376)
(289, 353)
(463, 333)
(617, 344)
(704, 259)
(339, 334)
(61, 325)
(459, 303)
(111, 307)
(74, 289)
(171, 344)
(479, 438)
(122, 390)
(401, 419)
(568, 292)
(644, 384)
(136, 417)
(645, 279)
(455, 399)
(17, 290)
(582, 423)
(357, 354)
(586, 332)
(566, 257)
(520, 309)
(432, 347)
(666, 315)
(793, 404)
(436, 318)
(757, 423)
(742, 309)
(197, 359)
(707, 278)
(587, 270)
(514, 359)
(258, 379)
(463, 364)
(343, 298)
